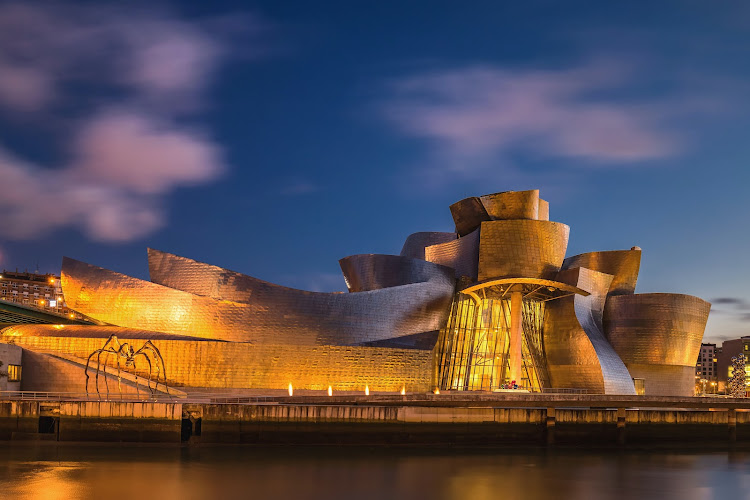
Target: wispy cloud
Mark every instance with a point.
(123, 80)
(297, 187)
(736, 302)
(732, 308)
(471, 116)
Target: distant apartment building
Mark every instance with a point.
(42, 291)
(730, 349)
(706, 376)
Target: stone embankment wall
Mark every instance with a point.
(300, 423)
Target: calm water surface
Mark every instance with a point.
(48, 472)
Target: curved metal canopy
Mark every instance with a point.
(533, 288)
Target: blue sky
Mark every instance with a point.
(274, 138)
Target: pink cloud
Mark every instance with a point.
(150, 52)
(488, 110)
(138, 153)
(126, 150)
(42, 200)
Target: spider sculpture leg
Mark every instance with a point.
(147, 348)
(135, 371)
(104, 370)
(98, 367)
(148, 361)
(160, 367)
(86, 370)
(107, 348)
(119, 384)
(123, 352)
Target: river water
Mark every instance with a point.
(49, 472)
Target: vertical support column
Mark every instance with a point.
(516, 332)
(550, 426)
(621, 426)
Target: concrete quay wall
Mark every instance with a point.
(306, 423)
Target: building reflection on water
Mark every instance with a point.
(69, 472)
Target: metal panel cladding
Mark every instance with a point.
(367, 272)
(462, 255)
(220, 304)
(657, 328)
(468, 214)
(624, 265)
(578, 354)
(658, 336)
(521, 249)
(415, 244)
(512, 205)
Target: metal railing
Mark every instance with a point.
(209, 398)
(82, 396)
(561, 390)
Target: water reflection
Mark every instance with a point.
(140, 472)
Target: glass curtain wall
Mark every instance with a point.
(473, 348)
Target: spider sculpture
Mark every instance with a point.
(126, 354)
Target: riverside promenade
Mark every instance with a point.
(448, 419)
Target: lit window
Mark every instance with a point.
(14, 373)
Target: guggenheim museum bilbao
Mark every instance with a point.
(493, 306)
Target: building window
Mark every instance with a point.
(640, 386)
(14, 373)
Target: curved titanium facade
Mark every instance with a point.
(543, 210)
(468, 214)
(658, 336)
(623, 265)
(512, 205)
(461, 254)
(578, 354)
(190, 297)
(517, 315)
(521, 249)
(88, 332)
(367, 272)
(415, 244)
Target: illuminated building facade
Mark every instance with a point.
(730, 349)
(42, 291)
(493, 306)
(706, 375)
